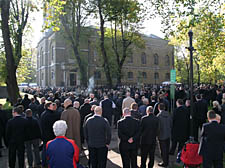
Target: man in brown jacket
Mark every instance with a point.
(72, 118)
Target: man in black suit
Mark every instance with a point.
(180, 128)
(200, 115)
(108, 107)
(128, 133)
(97, 133)
(212, 142)
(16, 131)
(149, 131)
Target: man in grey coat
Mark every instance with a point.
(165, 125)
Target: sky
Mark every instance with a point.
(152, 26)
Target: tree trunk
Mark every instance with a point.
(102, 45)
(12, 86)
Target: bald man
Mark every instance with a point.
(98, 135)
(72, 118)
(128, 133)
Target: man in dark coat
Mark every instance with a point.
(149, 131)
(16, 131)
(212, 142)
(33, 137)
(26, 101)
(199, 116)
(108, 107)
(3, 121)
(85, 109)
(48, 118)
(34, 107)
(180, 129)
(128, 133)
(98, 135)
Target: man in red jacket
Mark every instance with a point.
(62, 152)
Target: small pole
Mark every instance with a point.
(191, 49)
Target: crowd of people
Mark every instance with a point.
(58, 122)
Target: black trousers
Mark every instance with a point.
(164, 149)
(174, 146)
(129, 156)
(196, 125)
(147, 149)
(98, 157)
(209, 163)
(18, 149)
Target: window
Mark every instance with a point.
(156, 59)
(42, 76)
(167, 77)
(167, 60)
(97, 75)
(130, 75)
(53, 75)
(52, 53)
(143, 58)
(156, 75)
(42, 57)
(144, 75)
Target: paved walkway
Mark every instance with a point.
(114, 159)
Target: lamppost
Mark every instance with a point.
(191, 49)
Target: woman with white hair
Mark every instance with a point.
(62, 152)
(217, 107)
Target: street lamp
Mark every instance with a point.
(191, 49)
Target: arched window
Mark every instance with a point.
(156, 59)
(130, 59)
(167, 60)
(52, 53)
(143, 58)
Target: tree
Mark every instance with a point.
(125, 18)
(14, 17)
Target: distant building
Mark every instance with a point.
(56, 63)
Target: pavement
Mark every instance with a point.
(114, 158)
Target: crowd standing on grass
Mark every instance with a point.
(144, 116)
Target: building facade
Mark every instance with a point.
(56, 63)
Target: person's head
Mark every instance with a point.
(211, 115)
(179, 102)
(42, 100)
(161, 106)
(16, 111)
(187, 103)
(76, 104)
(57, 102)
(223, 101)
(28, 113)
(218, 118)
(105, 96)
(59, 128)
(26, 96)
(215, 104)
(145, 101)
(126, 112)
(149, 110)
(98, 110)
(67, 102)
(93, 107)
(86, 101)
(92, 95)
(134, 106)
(136, 96)
(32, 100)
(128, 94)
